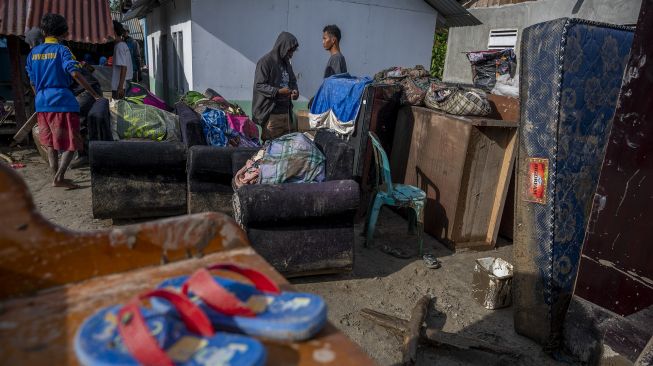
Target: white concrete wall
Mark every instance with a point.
(519, 16)
(230, 36)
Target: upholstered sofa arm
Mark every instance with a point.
(141, 156)
(190, 125)
(295, 201)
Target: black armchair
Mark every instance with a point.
(304, 229)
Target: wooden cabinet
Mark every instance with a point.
(464, 164)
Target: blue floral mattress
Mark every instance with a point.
(571, 73)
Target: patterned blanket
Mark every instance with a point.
(291, 158)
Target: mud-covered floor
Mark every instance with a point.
(379, 281)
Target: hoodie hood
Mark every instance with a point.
(285, 42)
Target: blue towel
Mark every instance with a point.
(340, 94)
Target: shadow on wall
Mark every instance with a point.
(169, 78)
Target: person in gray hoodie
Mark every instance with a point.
(274, 87)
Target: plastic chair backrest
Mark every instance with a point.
(383, 176)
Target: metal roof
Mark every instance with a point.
(133, 25)
(89, 21)
(454, 14)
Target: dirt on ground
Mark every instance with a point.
(379, 281)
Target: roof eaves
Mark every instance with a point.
(454, 14)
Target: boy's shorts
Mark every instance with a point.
(60, 130)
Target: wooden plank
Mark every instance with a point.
(39, 330)
(469, 197)
(505, 176)
(435, 166)
(36, 254)
(474, 121)
(17, 86)
(401, 145)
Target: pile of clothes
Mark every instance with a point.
(418, 89)
(292, 158)
(223, 123)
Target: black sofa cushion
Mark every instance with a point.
(339, 155)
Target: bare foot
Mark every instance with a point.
(65, 183)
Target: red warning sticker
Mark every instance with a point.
(538, 174)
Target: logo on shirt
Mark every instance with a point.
(285, 79)
(44, 56)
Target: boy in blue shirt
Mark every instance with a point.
(51, 68)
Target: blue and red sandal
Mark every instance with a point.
(261, 310)
(133, 335)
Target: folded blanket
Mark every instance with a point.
(337, 102)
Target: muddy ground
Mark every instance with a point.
(379, 281)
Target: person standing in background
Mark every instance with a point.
(275, 85)
(135, 50)
(52, 68)
(122, 63)
(331, 42)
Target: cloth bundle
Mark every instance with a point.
(337, 102)
(218, 131)
(142, 121)
(137, 94)
(292, 158)
(457, 100)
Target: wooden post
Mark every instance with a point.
(17, 86)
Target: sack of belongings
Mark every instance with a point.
(142, 121)
(457, 100)
(487, 66)
(292, 158)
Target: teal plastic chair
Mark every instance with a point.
(398, 195)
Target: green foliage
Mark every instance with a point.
(439, 52)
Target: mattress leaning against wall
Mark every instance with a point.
(570, 80)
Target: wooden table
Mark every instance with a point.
(39, 329)
(54, 278)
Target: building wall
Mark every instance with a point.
(230, 36)
(161, 54)
(519, 16)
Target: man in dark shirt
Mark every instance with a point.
(331, 42)
(274, 87)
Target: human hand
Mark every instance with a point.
(294, 94)
(284, 91)
(121, 93)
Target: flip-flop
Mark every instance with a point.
(261, 310)
(133, 335)
(431, 261)
(395, 252)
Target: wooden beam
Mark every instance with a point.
(17, 86)
(505, 174)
